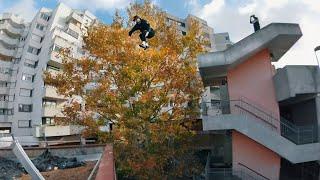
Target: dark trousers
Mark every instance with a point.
(143, 36)
(256, 26)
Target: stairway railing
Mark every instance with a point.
(292, 132)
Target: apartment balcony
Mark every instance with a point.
(7, 52)
(55, 60)
(5, 77)
(8, 40)
(52, 131)
(14, 18)
(76, 17)
(4, 104)
(13, 30)
(296, 82)
(74, 28)
(51, 92)
(4, 90)
(52, 111)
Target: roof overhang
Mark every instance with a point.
(278, 38)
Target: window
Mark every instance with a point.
(22, 39)
(72, 33)
(28, 77)
(5, 70)
(16, 60)
(7, 84)
(4, 97)
(25, 107)
(24, 124)
(48, 121)
(29, 63)
(184, 33)
(25, 92)
(49, 103)
(33, 50)
(6, 111)
(227, 38)
(53, 68)
(183, 24)
(56, 48)
(5, 130)
(44, 16)
(40, 27)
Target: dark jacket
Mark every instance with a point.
(142, 26)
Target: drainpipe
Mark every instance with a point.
(318, 90)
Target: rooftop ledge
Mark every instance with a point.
(277, 37)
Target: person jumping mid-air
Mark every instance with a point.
(255, 21)
(145, 31)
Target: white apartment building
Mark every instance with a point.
(27, 105)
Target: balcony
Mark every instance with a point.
(4, 90)
(4, 104)
(76, 17)
(52, 131)
(51, 92)
(55, 60)
(14, 18)
(8, 40)
(5, 77)
(7, 52)
(52, 111)
(13, 30)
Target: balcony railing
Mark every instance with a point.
(7, 26)
(8, 40)
(292, 132)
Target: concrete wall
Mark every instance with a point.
(293, 80)
(253, 80)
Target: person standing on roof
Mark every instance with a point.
(146, 31)
(255, 21)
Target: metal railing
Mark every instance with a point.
(292, 132)
(241, 172)
(298, 134)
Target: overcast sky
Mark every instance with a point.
(223, 15)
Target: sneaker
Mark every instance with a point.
(142, 46)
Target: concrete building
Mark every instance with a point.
(216, 42)
(244, 113)
(26, 51)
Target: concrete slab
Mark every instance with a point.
(278, 38)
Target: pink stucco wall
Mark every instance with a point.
(255, 156)
(253, 80)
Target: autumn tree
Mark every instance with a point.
(151, 96)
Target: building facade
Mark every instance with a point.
(28, 105)
(270, 118)
(26, 51)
